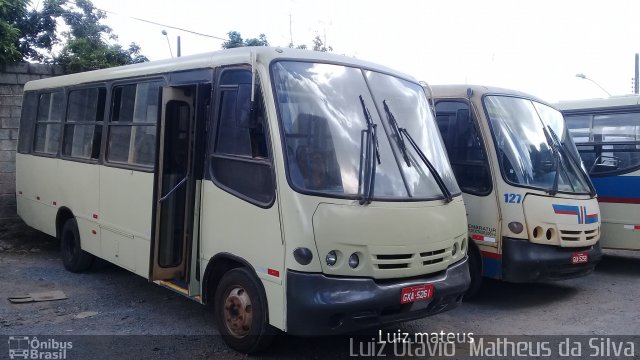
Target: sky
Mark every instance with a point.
(533, 46)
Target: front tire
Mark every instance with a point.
(475, 271)
(73, 257)
(241, 312)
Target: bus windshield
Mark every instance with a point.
(323, 110)
(534, 147)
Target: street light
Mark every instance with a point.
(583, 76)
(164, 32)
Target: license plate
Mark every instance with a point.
(416, 293)
(579, 257)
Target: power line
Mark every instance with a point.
(165, 25)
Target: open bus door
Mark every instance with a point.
(175, 188)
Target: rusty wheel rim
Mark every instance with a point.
(238, 312)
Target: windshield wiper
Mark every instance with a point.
(559, 147)
(368, 144)
(556, 154)
(403, 131)
(397, 133)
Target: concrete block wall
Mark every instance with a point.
(12, 80)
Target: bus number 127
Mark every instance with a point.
(512, 198)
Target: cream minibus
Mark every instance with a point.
(532, 211)
(268, 182)
(607, 134)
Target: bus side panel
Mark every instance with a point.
(126, 198)
(36, 178)
(484, 229)
(80, 194)
(618, 198)
(235, 226)
(617, 236)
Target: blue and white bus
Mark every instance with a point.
(607, 134)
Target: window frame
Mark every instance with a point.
(474, 120)
(34, 134)
(210, 173)
(98, 86)
(106, 135)
(592, 113)
(28, 117)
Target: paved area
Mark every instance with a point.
(110, 301)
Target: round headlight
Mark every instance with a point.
(516, 227)
(303, 255)
(354, 261)
(332, 258)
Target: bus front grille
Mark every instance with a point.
(571, 235)
(577, 235)
(411, 261)
(591, 234)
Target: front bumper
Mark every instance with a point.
(320, 305)
(523, 261)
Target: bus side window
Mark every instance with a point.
(47, 133)
(464, 146)
(27, 120)
(132, 127)
(580, 130)
(618, 136)
(239, 161)
(83, 124)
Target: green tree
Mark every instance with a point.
(302, 47)
(9, 33)
(261, 40)
(318, 45)
(87, 45)
(24, 34)
(85, 48)
(235, 40)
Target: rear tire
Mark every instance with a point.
(73, 257)
(241, 312)
(475, 271)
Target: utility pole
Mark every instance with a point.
(636, 88)
(179, 51)
(290, 31)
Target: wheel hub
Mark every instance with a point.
(238, 312)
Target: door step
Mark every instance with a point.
(179, 289)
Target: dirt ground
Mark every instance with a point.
(110, 301)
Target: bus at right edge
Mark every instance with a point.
(607, 134)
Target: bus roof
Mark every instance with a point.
(460, 91)
(242, 55)
(611, 102)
